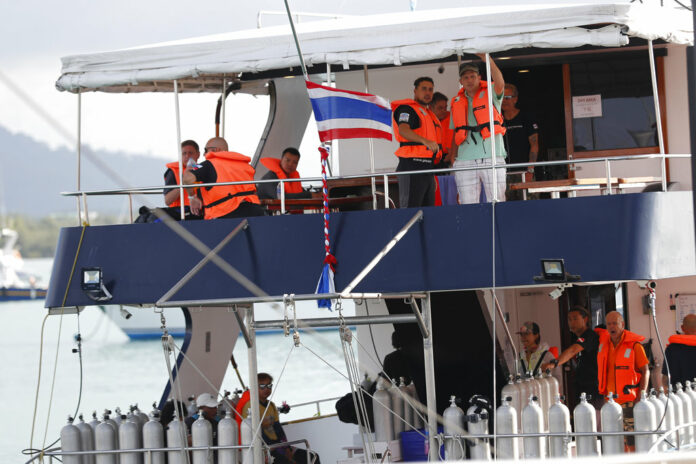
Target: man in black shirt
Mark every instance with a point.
(681, 353)
(583, 355)
(521, 139)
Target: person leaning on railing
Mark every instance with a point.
(223, 201)
(283, 168)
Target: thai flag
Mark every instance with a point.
(344, 114)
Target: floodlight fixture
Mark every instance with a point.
(93, 284)
(553, 270)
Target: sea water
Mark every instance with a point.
(118, 372)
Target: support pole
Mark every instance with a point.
(658, 116)
(373, 184)
(491, 127)
(257, 450)
(297, 41)
(79, 154)
(178, 147)
(428, 355)
(223, 117)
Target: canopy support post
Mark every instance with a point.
(257, 451)
(491, 127)
(429, 358)
(373, 184)
(178, 148)
(658, 116)
(79, 153)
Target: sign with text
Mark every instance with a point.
(686, 304)
(587, 106)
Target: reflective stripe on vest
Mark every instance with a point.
(175, 169)
(624, 365)
(273, 164)
(220, 200)
(429, 129)
(460, 115)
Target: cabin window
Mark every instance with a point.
(612, 104)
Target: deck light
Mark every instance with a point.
(93, 284)
(553, 270)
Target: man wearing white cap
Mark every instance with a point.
(209, 406)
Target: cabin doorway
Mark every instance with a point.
(540, 89)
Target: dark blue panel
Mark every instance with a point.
(605, 238)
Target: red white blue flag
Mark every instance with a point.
(344, 114)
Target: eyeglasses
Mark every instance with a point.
(266, 385)
(507, 97)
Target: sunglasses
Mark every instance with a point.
(266, 385)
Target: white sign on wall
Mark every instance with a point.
(686, 304)
(587, 106)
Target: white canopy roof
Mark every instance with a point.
(391, 39)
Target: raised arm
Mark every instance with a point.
(496, 75)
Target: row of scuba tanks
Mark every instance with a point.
(393, 407)
(138, 431)
(657, 413)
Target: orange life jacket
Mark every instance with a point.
(223, 199)
(460, 115)
(681, 339)
(429, 128)
(624, 364)
(175, 169)
(446, 134)
(273, 164)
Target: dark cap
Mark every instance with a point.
(465, 67)
(529, 327)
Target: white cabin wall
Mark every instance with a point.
(642, 323)
(393, 84)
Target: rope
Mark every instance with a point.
(329, 258)
(38, 384)
(178, 409)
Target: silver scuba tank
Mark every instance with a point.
(70, 440)
(585, 420)
(129, 437)
(554, 386)
(142, 417)
(417, 421)
(678, 415)
(506, 423)
(117, 416)
(247, 437)
(107, 418)
(397, 405)
(660, 418)
(692, 397)
(453, 424)
(477, 424)
(559, 422)
(524, 394)
(105, 440)
(686, 432)
(544, 400)
(191, 408)
(202, 435)
(225, 404)
(153, 436)
(381, 404)
(408, 409)
(86, 440)
(532, 422)
(94, 422)
(227, 434)
(176, 440)
(612, 421)
(644, 416)
(366, 382)
(512, 390)
(670, 417)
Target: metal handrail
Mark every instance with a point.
(158, 189)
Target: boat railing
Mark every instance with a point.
(316, 403)
(56, 453)
(607, 179)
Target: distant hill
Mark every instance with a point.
(32, 176)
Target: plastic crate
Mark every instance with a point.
(414, 446)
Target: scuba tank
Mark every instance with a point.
(506, 423)
(585, 420)
(94, 422)
(247, 438)
(397, 405)
(678, 415)
(644, 415)
(544, 400)
(153, 436)
(559, 422)
(129, 437)
(407, 400)
(191, 408)
(670, 415)
(86, 440)
(141, 416)
(661, 424)
(477, 424)
(417, 421)
(105, 437)
(384, 430)
(513, 391)
(686, 432)
(70, 440)
(533, 422)
(202, 435)
(227, 435)
(176, 436)
(524, 394)
(366, 383)
(453, 424)
(692, 396)
(612, 421)
(107, 418)
(117, 416)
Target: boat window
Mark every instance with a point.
(612, 104)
